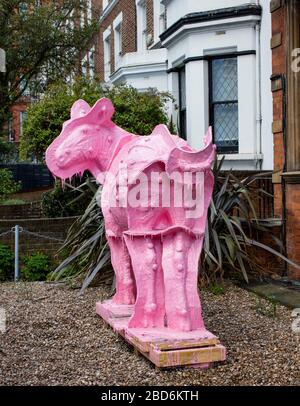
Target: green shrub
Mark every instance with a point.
(9, 152)
(6, 263)
(7, 184)
(136, 112)
(66, 202)
(36, 267)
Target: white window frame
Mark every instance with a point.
(159, 11)
(141, 13)
(117, 26)
(91, 61)
(84, 65)
(107, 53)
(89, 10)
(104, 4)
(23, 85)
(11, 135)
(22, 113)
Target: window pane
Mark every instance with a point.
(226, 126)
(225, 84)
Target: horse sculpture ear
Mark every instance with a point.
(102, 110)
(79, 109)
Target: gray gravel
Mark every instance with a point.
(54, 337)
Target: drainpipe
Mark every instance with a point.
(258, 96)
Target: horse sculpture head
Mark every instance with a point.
(88, 141)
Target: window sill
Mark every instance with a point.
(240, 157)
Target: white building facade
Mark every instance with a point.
(214, 57)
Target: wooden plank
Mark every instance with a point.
(168, 339)
(163, 347)
(186, 357)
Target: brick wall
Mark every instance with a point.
(21, 211)
(270, 264)
(29, 244)
(279, 71)
(286, 206)
(127, 7)
(16, 109)
(293, 227)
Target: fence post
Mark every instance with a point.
(17, 272)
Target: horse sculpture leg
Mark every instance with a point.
(125, 283)
(180, 268)
(146, 261)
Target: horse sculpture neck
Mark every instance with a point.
(107, 149)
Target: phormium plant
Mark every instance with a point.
(229, 237)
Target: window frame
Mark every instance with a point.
(118, 39)
(212, 103)
(182, 110)
(107, 53)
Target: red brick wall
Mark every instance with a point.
(56, 228)
(127, 7)
(289, 209)
(16, 109)
(293, 227)
(279, 68)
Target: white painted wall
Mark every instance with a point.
(266, 94)
(179, 8)
(142, 81)
(202, 40)
(148, 69)
(143, 70)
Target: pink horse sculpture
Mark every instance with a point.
(155, 250)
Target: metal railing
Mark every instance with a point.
(17, 230)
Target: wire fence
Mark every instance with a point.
(17, 230)
(23, 230)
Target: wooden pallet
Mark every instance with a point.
(163, 347)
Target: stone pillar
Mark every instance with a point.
(197, 107)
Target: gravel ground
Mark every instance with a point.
(54, 337)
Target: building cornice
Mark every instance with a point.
(139, 69)
(212, 15)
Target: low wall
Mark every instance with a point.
(55, 228)
(21, 211)
(271, 264)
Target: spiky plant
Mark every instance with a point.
(232, 226)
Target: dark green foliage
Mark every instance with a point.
(9, 152)
(232, 228)
(42, 43)
(136, 112)
(68, 202)
(6, 263)
(7, 184)
(36, 267)
(85, 250)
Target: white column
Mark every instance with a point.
(247, 104)
(197, 102)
